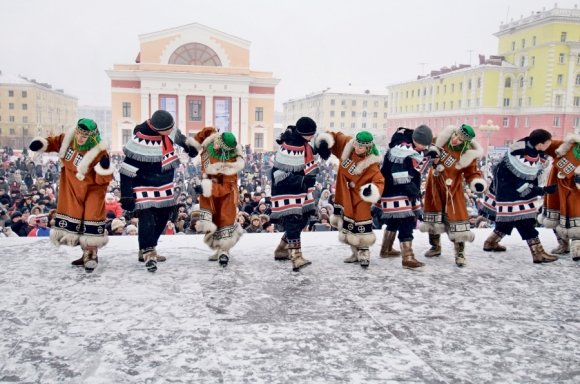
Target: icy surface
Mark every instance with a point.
(500, 319)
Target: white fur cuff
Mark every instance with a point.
(474, 182)
(193, 143)
(206, 187)
(324, 136)
(104, 172)
(373, 197)
(44, 143)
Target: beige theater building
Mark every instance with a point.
(203, 78)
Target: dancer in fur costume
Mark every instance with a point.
(445, 207)
(293, 178)
(515, 191)
(562, 210)
(221, 160)
(147, 175)
(359, 185)
(84, 177)
(402, 168)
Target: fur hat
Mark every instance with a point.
(423, 135)
(89, 128)
(15, 214)
(161, 121)
(366, 139)
(539, 136)
(109, 196)
(116, 224)
(254, 217)
(305, 126)
(130, 227)
(228, 141)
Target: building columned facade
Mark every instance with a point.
(345, 109)
(29, 108)
(532, 82)
(203, 78)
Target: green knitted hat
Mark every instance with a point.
(87, 125)
(466, 132)
(229, 141)
(364, 138)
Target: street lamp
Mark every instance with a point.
(489, 128)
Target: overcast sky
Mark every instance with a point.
(308, 44)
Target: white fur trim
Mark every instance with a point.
(61, 237)
(375, 193)
(464, 236)
(227, 243)
(226, 168)
(468, 156)
(434, 229)
(205, 226)
(93, 241)
(206, 187)
(548, 223)
(478, 181)
(336, 221)
(324, 136)
(569, 140)
(66, 140)
(88, 159)
(104, 172)
(44, 144)
(193, 143)
(365, 240)
(577, 170)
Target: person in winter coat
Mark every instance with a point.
(445, 208)
(147, 175)
(85, 175)
(221, 161)
(112, 205)
(515, 193)
(293, 177)
(359, 185)
(402, 168)
(561, 210)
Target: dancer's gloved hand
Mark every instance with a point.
(367, 191)
(105, 162)
(549, 189)
(128, 203)
(198, 189)
(323, 150)
(479, 187)
(432, 153)
(191, 151)
(35, 145)
(308, 181)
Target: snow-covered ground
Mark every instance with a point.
(501, 319)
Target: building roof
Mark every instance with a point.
(6, 78)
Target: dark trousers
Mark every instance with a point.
(152, 222)
(526, 228)
(405, 227)
(293, 226)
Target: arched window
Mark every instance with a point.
(195, 54)
(508, 82)
(521, 82)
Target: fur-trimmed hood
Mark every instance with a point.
(568, 143)
(224, 167)
(475, 151)
(88, 157)
(361, 165)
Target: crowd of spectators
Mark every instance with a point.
(29, 189)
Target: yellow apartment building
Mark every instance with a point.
(29, 108)
(201, 76)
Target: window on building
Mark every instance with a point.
(12, 131)
(331, 113)
(533, 41)
(386, 104)
(352, 125)
(364, 114)
(521, 82)
(506, 122)
(11, 119)
(353, 103)
(520, 102)
(444, 105)
(25, 119)
(523, 43)
(352, 114)
(445, 89)
(526, 122)
(24, 93)
(25, 107)
(365, 102)
(343, 103)
(364, 125)
(258, 140)
(508, 82)
(451, 104)
(126, 135)
(522, 61)
(479, 82)
(342, 125)
(196, 110)
(531, 81)
(506, 102)
(259, 114)
(529, 100)
(578, 59)
(375, 115)
(558, 100)
(332, 101)
(10, 93)
(556, 121)
(560, 79)
(469, 84)
(342, 113)
(513, 45)
(578, 79)
(577, 101)
(576, 123)
(376, 103)
(563, 37)
(384, 115)
(126, 109)
(10, 105)
(475, 120)
(561, 58)
(459, 104)
(533, 60)
(24, 131)
(516, 122)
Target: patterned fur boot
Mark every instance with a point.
(491, 244)
(364, 257)
(353, 258)
(281, 252)
(298, 261)
(150, 258)
(538, 253)
(387, 249)
(409, 260)
(435, 250)
(159, 257)
(90, 259)
(459, 253)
